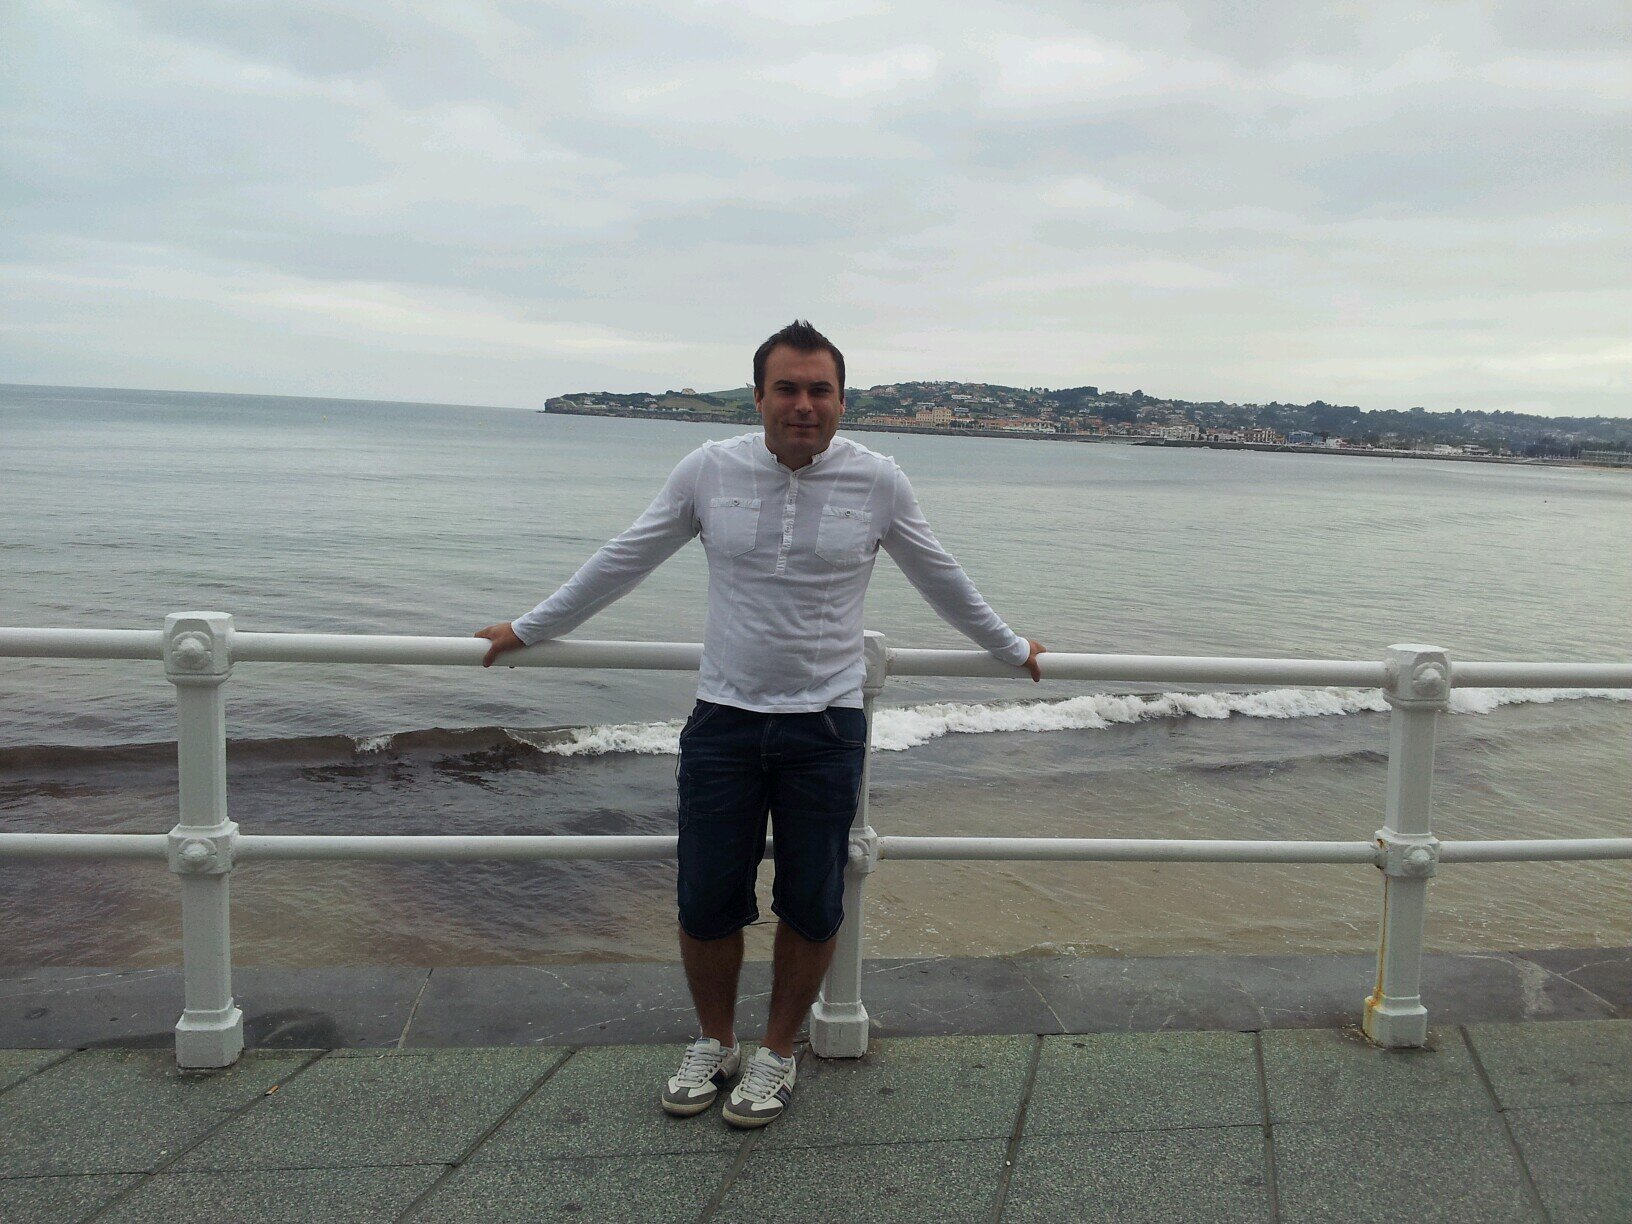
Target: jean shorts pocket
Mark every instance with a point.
(844, 536)
(847, 726)
(732, 525)
(700, 714)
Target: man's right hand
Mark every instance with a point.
(503, 638)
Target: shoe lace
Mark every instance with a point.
(699, 1063)
(762, 1078)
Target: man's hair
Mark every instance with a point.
(803, 338)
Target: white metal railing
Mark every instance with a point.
(199, 650)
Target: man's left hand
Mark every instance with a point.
(1031, 664)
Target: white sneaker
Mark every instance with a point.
(705, 1069)
(763, 1092)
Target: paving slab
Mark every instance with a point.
(604, 1102)
(281, 1196)
(58, 1200)
(1140, 994)
(1606, 972)
(570, 1005)
(1144, 1081)
(950, 1183)
(621, 1003)
(1107, 994)
(634, 1189)
(1218, 1175)
(124, 1111)
(375, 1110)
(1476, 987)
(1328, 1074)
(907, 1089)
(1580, 1158)
(325, 1009)
(1435, 1166)
(18, 1065)
(1556, 1064)
(966, 995)
(72, 1008)
(138, 1009)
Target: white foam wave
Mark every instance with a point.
(372, 743)
(898, 728)
(646, 738)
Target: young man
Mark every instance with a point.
(792, 520)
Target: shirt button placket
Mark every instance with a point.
(787, 523)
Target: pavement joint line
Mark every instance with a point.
(448, 1171)
(1012, 1151)
(227, 1120)
(1269, 1130)
(745, 1149)
(66, 1055)
(1530, 1190)
(414, 1010)
(1026, 978)
(1563, 1105)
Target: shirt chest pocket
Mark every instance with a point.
(844, 536)
(733, 524)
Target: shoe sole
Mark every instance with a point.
(679, 1110)
(742, 1123)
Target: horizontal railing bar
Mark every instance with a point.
(1178, 669)
(1555, 849)
(685, 656)
(1541, 675)
(1131, 849)
(460, 651)
(505, 847)
(635, 847)
(84, 845)
(81, 643)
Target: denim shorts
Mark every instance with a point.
(736, 768)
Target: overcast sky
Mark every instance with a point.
(491, 201)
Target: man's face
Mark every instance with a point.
(801, 404)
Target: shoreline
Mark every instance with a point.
(707, 418)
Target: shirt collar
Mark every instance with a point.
(768, 459)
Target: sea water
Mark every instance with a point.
(302, 515)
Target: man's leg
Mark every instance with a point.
(798, 967)
(712, 969)
(814, 804)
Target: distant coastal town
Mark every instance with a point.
(1087, 414)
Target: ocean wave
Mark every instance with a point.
(899, 728)
(895, 728)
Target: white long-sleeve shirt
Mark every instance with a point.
(789, 557)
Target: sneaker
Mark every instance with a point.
(763, 1092)
(705, 1069)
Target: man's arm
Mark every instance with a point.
(941, 581)
(615, 569)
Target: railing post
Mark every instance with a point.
(198, 660)
(1419, 683)
(838, 1019)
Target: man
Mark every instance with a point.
(791, 520)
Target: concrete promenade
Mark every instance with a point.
(432, 1109)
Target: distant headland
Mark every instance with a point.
(1087, 414)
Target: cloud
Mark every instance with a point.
(1391, 204)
